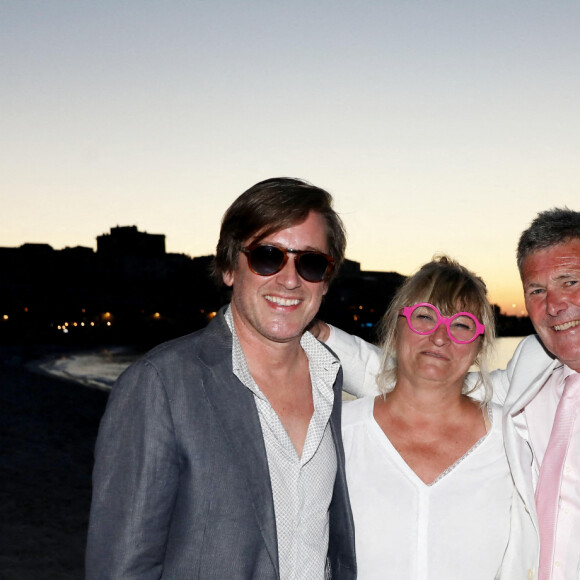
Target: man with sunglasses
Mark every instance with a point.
(220, 455)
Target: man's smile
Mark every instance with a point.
(566, 325)
(282, 301)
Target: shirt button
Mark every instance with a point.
(530, 574)
(557, 564)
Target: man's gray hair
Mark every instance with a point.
(549, 228)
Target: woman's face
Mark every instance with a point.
(433, 357)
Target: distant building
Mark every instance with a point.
(357, 299)
(128, 240)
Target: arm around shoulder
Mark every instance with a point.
(360, 362)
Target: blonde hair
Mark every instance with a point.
(452, 288)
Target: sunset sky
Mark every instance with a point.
(437, 126)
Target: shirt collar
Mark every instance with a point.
(323, 364)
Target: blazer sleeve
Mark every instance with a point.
(360, 362)
(135, 480)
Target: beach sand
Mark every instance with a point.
(48, 429)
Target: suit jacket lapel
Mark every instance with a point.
(341, 538)
(235, 408)
(532, 370)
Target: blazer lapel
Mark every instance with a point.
(533, 368)
(341, 538)
(235, 408)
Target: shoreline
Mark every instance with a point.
(96, 367)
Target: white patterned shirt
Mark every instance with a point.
(301, 486)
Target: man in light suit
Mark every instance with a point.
(535, 379)
(531, 390)
(220, 455)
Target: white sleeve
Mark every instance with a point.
(500, 382)
(500, 378)
(360, 362)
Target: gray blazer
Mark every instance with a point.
(181, 486)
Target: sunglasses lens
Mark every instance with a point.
(266, 260)
(313, 266)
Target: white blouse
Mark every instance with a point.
(455, 528)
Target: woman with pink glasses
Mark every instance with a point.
(428, 478)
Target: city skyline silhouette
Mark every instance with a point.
(131, 290)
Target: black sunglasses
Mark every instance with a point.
(267, 260)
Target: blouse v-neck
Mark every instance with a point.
(383, 440)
